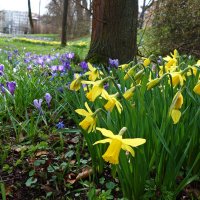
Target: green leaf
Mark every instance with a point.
(31, 181)
(110, 185)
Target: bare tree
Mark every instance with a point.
(64, 24)
(30, 17)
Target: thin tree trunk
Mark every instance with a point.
(30, 17)
(64, 24)
(114, 30)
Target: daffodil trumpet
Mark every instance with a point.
(117, 143)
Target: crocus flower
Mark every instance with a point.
(116, 144)
(11, 87)
(37, 103)
(113, 62)
(1, 69)
(60, 125)
(70, 55)
(89, 123)
(84, 65)
(48, 98)
(2, 88)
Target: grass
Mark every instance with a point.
(46, 150)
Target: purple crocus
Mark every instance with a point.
(113, 62)
(48, 98)
(84, 65)
(3, 91)
(70, 55)
(37, 103)
(1, 69)
(11, 87)
(60, 125)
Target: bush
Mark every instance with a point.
(176, 25)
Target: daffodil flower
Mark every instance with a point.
(172, 60)
(177, 78)
(97, 89)
(153, 83)
(146, 62)
(93, 73)
(89, 123)
(76, 83)
(129, 93)
(197, 88)
(116, 144)
(112, 101)
(177, 103)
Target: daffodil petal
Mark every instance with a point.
(176, 115)
(88, 108)
(103, 141)
(129, 149)
(82, 112)
(106, 133)
(134, 142)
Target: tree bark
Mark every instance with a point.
(64, 24)
(30, 17)
(114, 30)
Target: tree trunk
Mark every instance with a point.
(114, 30)
(64, 24)
(30, 17)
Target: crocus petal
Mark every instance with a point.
(106, 133)
(134, 142)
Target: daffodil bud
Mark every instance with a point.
(153, 83)
(122, 131)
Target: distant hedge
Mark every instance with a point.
(176, 25)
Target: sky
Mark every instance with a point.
(22, 5)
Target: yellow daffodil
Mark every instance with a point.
(177, 103)
(112, 101)
(172, 60)
(177, 78)
(146, 62)
(129, 93)
(124, 66)
(197, 88)
(116, 144)
(89, 123)
(192, 71)
(76, 83)
(93, 73)
(97, 89)
(198, 62)
(153, 83)
(130, 73)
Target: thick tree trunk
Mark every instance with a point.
(64, 24)
(114, 30)
(30, 17)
